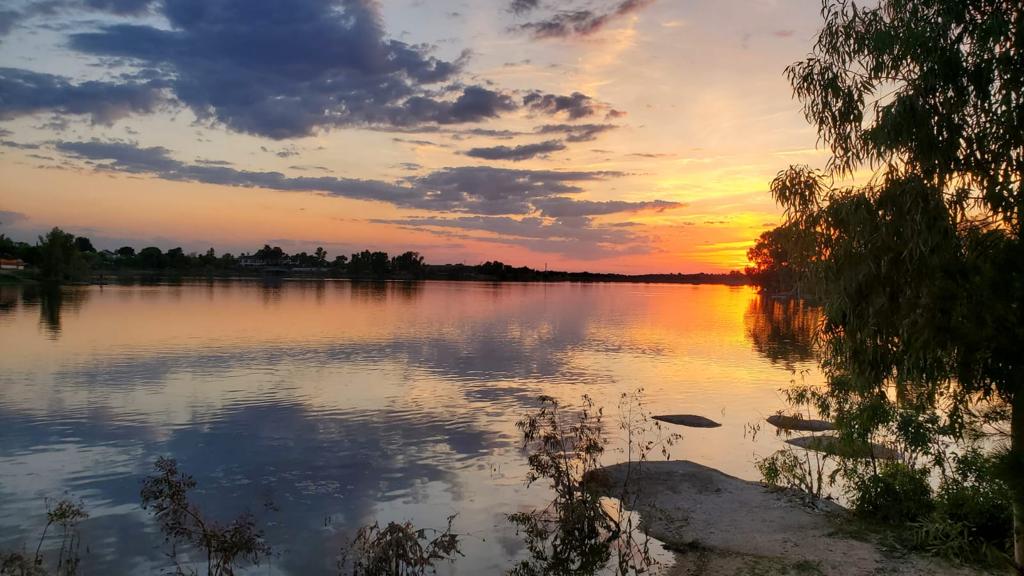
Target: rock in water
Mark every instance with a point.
(691, 420)
(784, 422)
(831, 445)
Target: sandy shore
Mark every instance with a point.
(722, 525)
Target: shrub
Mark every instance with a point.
(66, 515)
(895, 493)
(973, 518)
(398, 550)
(787, 469)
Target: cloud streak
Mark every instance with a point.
(517, 153)
(469, 189)
(579, 239)
(582, 21)
(576, 132)
(561, 207)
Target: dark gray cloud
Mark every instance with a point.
(490, 133)
(284, 152)
(122, 7)
(286, 70)
(576, 132)
(8, 217)
(576, 20)
(157, 161)
(309, 168)
(493, 191)
(15, 14)
(19, 145)
(8, 20)
(561, 207)
(279, 70)
(523, 6)
(576, 105)
(209, 162)
(516, 153)
(470, 189)
(23, 92)
(415, 142)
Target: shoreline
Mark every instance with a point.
(135, 277)
(720, 525)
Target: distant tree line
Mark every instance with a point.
(64, 257)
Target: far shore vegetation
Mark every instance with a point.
(61, 257)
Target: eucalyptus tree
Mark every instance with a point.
(917, 217)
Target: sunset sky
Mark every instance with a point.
(604, 135)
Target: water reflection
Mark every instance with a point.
(782, 330)
(345, 402)
(53, 303)
(9, 296)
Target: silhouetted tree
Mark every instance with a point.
(273, 256)
(151, 258)
(921, 271)
(366, 262)
(175, 258)
(125, 251)
(84, 244)
(59, 258)
(780, 259)
(408, 263)
(23, 250)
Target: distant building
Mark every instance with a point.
(251, 262)
(11, 264)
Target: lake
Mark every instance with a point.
(345, 402)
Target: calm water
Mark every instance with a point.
(348, 402)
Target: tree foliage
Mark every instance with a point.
(59, 257)
(920, 267)
(780, 258)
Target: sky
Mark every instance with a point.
(629, 136)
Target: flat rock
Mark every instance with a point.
(691, 420)
(831, 445)
(724, 525)
(784, 422)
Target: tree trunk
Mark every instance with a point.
(1017, 457)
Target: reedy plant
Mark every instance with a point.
(581, 532)
(398, 549)
(226, 546)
